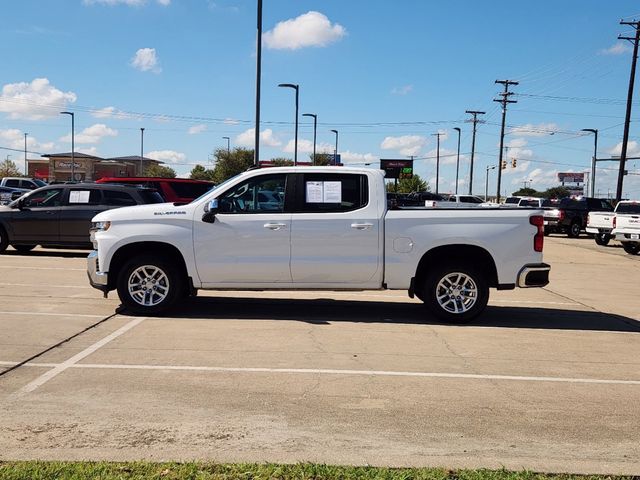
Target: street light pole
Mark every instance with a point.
(73, 148)
(141, 150)
(437, 135)
(458, 157)
(26, 170)
(335, 152)
(593, 159)
(256, 148)
(228, 145)
(297, 89)
(486, 183)
(315, 125)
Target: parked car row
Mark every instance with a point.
(623, 224)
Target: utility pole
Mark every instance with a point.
(26, 170)
(141, 151)
(627, 119)
(457, 129)
(504, 101)
(475, 121)
(437, 135)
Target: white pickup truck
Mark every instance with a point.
(626, 226)
(601, 224)
(314, 228)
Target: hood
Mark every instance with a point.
(143, 212)
(4, 208)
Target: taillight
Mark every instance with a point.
(588, 218)
(538, 239)
(561, 215)
(614, 222)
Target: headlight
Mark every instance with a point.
(100, 226)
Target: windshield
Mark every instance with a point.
(633, 208)
(40, 183)
(208, 192)
(529, 203)
(512, 200)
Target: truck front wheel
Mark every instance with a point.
(455, 294)
(149, 286)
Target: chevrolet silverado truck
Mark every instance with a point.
(600, 224)
(314, 228)
(626, 228)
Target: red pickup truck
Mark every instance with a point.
(175, 190)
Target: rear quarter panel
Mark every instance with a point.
(505, 233)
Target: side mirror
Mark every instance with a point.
(20, 203)
(210, 211)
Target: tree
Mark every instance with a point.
(159, 171)
(527, 192)
(229, 164)
(408, 185)
(282, 162)
(322, 159)
(201, 173)
(556, 192)
(9, 169)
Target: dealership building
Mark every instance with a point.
(60, 167)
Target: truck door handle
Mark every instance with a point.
(49, 212)
(275, 226)
(362, 226)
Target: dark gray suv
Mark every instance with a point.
(60, 215)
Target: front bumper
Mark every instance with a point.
(97, 279)
(534, 275)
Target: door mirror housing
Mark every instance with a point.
(210, 211)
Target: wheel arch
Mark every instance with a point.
(472, 255)
(125, 253)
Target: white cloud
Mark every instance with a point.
(312, 29)
(633, 149)
(447, 157)
(14, 138)
(360, 158)
(402, 90)
(246, 138)
(146, 60)
(532, 130)
(93, 134)
(196, 129)
(616, 49)
(112, 112)
(306, 146)
(516, 143)
(521, 167)
(230, 121)
(88, 150)
(34, 101)
(406, 145)
(170, 156)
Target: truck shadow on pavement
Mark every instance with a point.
(47, 253)
(325, 311)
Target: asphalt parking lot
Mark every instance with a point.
(547, 379)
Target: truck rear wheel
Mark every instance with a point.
(4, 240)
(574, 230)
(631, 248)
(148, 285)
(602, 238)
(455, 294)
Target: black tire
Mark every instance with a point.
(602, 238)
(23, 248)
(631, 248)
(4, 240)
(162, 289)
(574, 230)
(442, 297)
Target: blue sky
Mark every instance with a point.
(386, 74)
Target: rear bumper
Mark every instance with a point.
(628, 237)
(534, 275)
(97, 279)
(598, 230)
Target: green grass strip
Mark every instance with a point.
(303, 471)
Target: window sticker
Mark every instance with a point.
(332, 192)
(79, 196)
(314, 192)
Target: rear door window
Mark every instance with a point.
(12, 183)
(332, 192)
(118, 198)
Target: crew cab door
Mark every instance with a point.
(249, 241)
(39, 219)
(80, 205)
(335, 232)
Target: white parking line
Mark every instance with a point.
(58, 369)
(23, 267)
(49, 314)
(319, 371)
